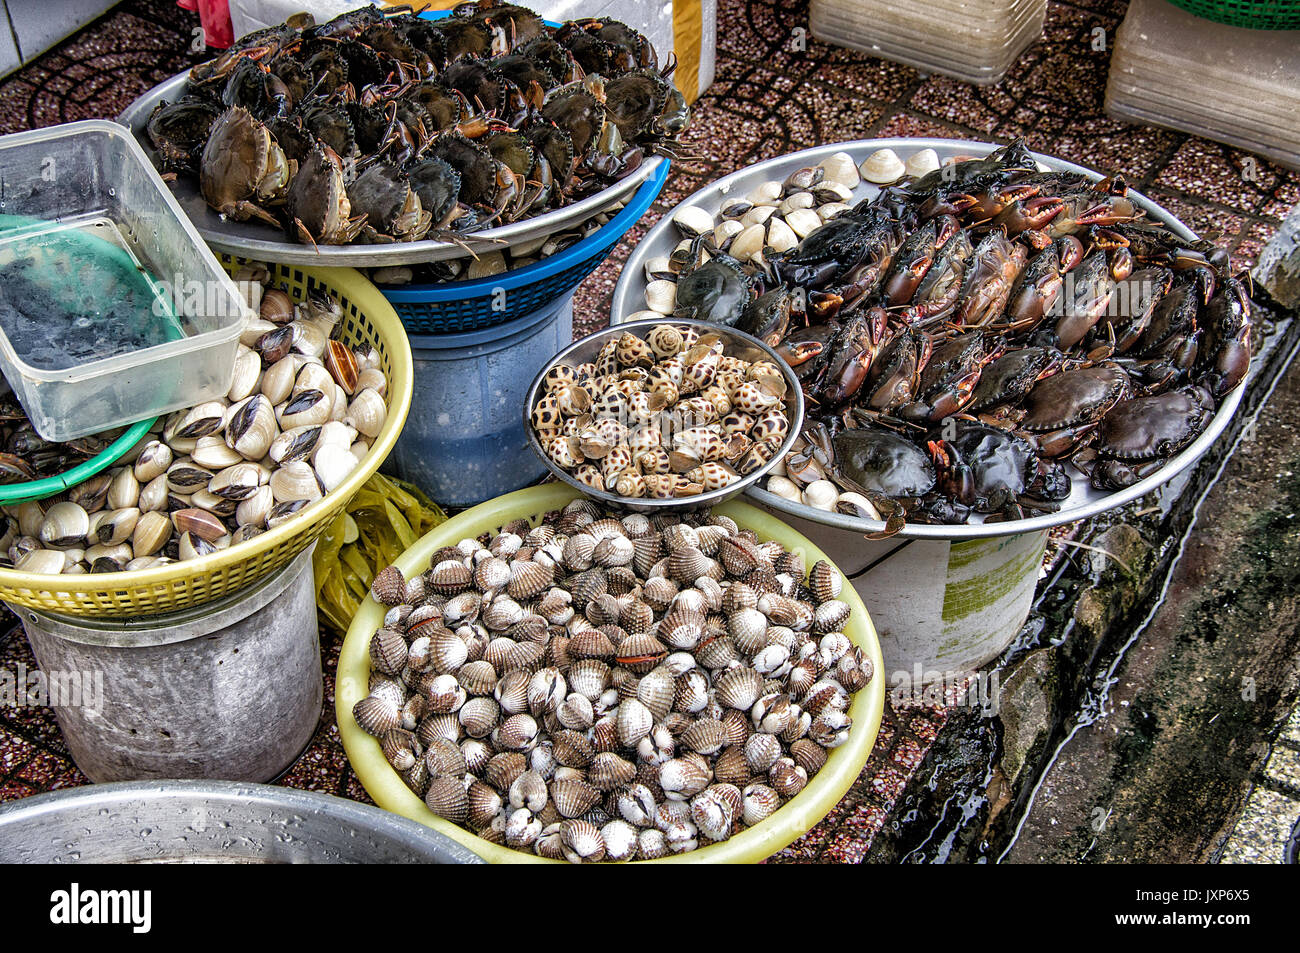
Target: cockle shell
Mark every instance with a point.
(447, 798)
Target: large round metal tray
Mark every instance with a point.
(256, 240)
(164, 822)
(1084, 502)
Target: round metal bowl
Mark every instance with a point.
(737, 343)
(226, 822)
(261, 241)
(1083, 503)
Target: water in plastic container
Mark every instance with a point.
(72, 292)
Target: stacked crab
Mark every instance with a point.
(965, 333)
(382, 126)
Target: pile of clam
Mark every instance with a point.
(671, 414)
(299, 417)
(774, 217)
(602, 689)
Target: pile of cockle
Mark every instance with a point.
(964, 334)
(668, 414)
(596, 688)
(299, 417)
(383, 126)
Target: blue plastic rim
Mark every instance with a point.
(454, 306)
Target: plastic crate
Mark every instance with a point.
(1254, 14)
(455, 306)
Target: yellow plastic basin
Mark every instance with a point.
(751, 845)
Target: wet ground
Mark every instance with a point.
(1159, 778)
(1162, 774)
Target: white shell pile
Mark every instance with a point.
(604, 689)
(668, 415)
(299, 417)
(774, 217)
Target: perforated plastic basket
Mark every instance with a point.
(1255, 14)
(368, 321)
(456, 306)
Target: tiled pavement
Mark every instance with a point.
(768, 99)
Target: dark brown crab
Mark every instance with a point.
(180, 130)
(997, 472)
(317, 208)
(392, 208)
(243, 168)
(1139, 435)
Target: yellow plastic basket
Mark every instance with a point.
(368, 321)
(794, 818)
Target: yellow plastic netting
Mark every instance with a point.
(383, 520)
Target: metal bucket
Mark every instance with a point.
(464, 440)
(231, 689)
(212, 822)
(942, 608)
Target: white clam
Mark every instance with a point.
(768, 193)
(784, 487)
(882, 167)
(865, 505)
(821, 494)
(692, 221)
(922, 162)
(803, 221)
(748, 245)
(842, 169)
(780, 237)
(333, 464)
(661, 296)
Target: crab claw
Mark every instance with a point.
(1031, 215)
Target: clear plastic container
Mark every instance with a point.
(112, 309)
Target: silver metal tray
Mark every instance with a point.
(173, 822)
(1084, 502)
(737, 343)
(256, 240)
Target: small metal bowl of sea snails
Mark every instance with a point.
(664, 414)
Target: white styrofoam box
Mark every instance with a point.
(40, 24)
(654, 19)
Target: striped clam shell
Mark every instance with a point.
(447, 798)
(388, 651)
(760, 803)
(389, 586)
(503, 768)
(705, 736)
(449, 577)
(573, 798)
(608, 771)
(581, 841)
(640, 653)
(657, 690)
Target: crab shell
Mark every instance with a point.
(1157, 427)
(242, 166)
(318, 206)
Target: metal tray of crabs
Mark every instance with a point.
(384, 138)
(990, 341)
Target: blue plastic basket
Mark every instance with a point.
(454, 306)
